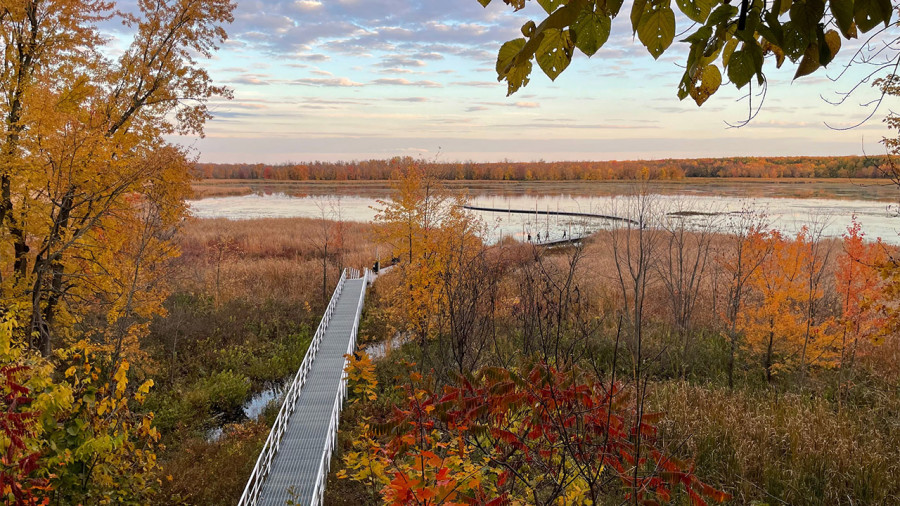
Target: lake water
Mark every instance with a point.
(783, 213)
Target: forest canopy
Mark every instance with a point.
(365, 170)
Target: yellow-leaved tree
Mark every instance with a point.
(408, 225)
(431, 236)
(90, 194)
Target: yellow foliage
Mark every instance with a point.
(361, 375)
(365, 463)
(431, 235)
(90, 190)
(90, 193)
(121, 378)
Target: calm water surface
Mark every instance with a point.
(787, 214)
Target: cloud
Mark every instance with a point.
(781, 124)
(427, 30)
(399, 71)
(407, 82)
(319, 72)
(409, 99)
(338, 82)
(331, 104)
(307, 5)
(428, 56)
(573, 126)
(518, 104)
(478, 84)
(236, 45)
(396, 60)
(282, 35)
(223, 105)
(316, 57)
(252, 80)
(332, 101)
(227, 115)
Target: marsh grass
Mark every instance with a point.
(780, 448)
(246, 299)
(249, 294)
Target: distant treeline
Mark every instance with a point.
(762, 167)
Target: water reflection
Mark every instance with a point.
(251, 409)
(785, 214)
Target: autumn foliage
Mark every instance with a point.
(430, 237)
(785, 320)
(18, 425)
(668, 169)
(546, 401)
(90, 195)
(498, 436)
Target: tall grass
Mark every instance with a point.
(249, 293)
(246, 298)
(277, 258)
(781, 448)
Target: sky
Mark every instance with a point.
(361, 79)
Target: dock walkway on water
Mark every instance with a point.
(548, 212)
(293, 465)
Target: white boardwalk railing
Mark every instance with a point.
(331, 440)
(263, 466)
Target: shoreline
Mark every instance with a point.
(877, 190)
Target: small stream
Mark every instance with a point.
(252, 408)
(380, 349)
(255, 406)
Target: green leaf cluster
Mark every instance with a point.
(723, 41)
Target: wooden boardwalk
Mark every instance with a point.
(294, 464)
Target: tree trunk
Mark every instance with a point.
(768, 359)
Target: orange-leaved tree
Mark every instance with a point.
(770, 323)
(739, 262)
(777, 323)
(858, 282)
